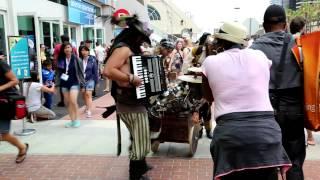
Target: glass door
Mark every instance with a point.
(50, 33)
(46, 34)
(2, 36)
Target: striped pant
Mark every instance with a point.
(138, 126)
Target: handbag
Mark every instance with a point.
(13, 106)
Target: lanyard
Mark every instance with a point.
(67, 64)
(85, 63)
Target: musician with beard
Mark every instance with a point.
(130, 110)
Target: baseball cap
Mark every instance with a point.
(274, 14)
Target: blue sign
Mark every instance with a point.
(19, 56)
(81, 12)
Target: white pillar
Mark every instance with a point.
(12, 19)
(37, 37)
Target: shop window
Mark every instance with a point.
(2, 36)
(98, 11)
(63, 2)
(46, 34)
(56, 32)
(66, 30)
(153, 13)
(99, 36)
(26, 25)
(73, 35)
(88, 34)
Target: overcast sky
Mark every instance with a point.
(209, 14)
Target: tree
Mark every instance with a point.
(310, 11)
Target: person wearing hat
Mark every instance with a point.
(246, 142)
(285, 86)
(130, 110)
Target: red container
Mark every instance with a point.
(21, 109)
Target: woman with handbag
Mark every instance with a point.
(70, 80)
(7, 84)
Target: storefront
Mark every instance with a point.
(44, 21)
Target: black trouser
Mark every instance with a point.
(289, 114)
(205, 114)
(253, 174)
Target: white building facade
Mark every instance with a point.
(44, 21)
(167, 18)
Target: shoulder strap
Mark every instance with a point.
(286, 40)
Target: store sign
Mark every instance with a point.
(81, 12)
(19, 56)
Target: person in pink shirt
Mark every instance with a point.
(246, 142)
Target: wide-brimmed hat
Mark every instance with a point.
(233, 32)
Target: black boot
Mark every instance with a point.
(145, 166)
(209, 134)
(133, 170)
(137, 168)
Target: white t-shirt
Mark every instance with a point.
(92, 53)
(100, 53)
(239, 81)
(33, 98)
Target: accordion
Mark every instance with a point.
(151, 71)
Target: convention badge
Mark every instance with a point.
(64, 77)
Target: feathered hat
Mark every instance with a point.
(133, 21)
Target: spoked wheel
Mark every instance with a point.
(193, 138)
(155, 146)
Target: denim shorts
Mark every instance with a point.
(89, 85)
(72, 88)
(4, 126)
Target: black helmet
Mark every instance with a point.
(166, 44)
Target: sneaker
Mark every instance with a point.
(68, 124)
(76, 124)
(89, 115)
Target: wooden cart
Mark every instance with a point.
(177, 128)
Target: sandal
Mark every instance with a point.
(21, 157)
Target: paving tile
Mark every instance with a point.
(90, 167)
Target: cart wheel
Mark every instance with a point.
(155, 146)
(193, 138)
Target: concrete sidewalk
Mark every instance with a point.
(96, 137)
